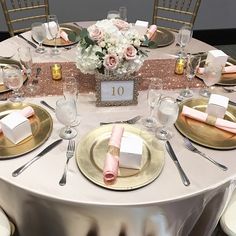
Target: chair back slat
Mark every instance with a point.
(172, 14)
(20, 14)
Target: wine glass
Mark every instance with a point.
(66, 114)
(53, 29)
(192, 66)
(183, 38)
(39, 34)
(153, 96)
(70, 91)
(26, 61)
(123, 13)
(211, 76)
(13, 79)
(167, 113)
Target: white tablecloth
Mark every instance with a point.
(39, 206)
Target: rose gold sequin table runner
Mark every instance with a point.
(86, 83)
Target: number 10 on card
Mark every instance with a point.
(116, 92)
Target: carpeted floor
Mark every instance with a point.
(229, 49)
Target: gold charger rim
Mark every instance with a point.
(198, 137)
(44, 128)
(3, 88)
(225, 81)
(76, 30)
(157, 159)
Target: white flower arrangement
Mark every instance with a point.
(110, 45)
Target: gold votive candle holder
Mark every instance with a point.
(179, 66)
(56, 71)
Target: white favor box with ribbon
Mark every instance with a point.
(16, 127)
(131, 150)
(217, 105)
(217, 58)
(141, 27)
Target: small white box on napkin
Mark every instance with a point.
(16, 127)
(141, 27)
(217, 57)
(217, 105)
(131, 150)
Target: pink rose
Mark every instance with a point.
(95, 33)
(120, 24)
(111, 61)
(130, 53)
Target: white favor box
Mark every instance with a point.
(217, 105)
(216, 57)
(131, 150)
(16, 127)
(141, 27)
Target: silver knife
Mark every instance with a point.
(27, 164)
(183, 176)
(29, 42)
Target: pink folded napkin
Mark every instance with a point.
(204, 117)
(151, 31)
(111, 165)
(226, 69)
(26, 112)
(64, 36)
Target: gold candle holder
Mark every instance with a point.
(56, 71)
(179, 66)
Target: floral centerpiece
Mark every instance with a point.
(110, 46)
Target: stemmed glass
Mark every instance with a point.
(167, 113)
(53, 29)
(192, 66)
(153, 97)
(13, 79)
(39, 34)
(123, 13)
(66, 114)
(183, 38)
(70, 91)
(26, 61)
(211, 76)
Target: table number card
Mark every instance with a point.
(116, 91)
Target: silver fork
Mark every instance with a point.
(69, 154)
(190, 147)
(229, 89)
(129, 121)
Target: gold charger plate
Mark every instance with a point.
(41, 125)
(73, 35)
(226, 78)
(6, 63)
(162, 38)
(204, 134)
(91, 153)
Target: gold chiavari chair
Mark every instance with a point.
(172, 14)
(20, 14)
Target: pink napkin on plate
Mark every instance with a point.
(26, 112)
(151, 31)
(111, 165)
(226, 69)
(204, 117)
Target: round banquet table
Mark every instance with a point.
(38, 205)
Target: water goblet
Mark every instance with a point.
(123, 13)
(183, 38)
(211, 76)
(39, 34)
(26, 61)
(113, 14)
(13, 79)
(70, 91)
(192, 66)
(167, 113)
(66, 114)
(153, 97)
(53, 29)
